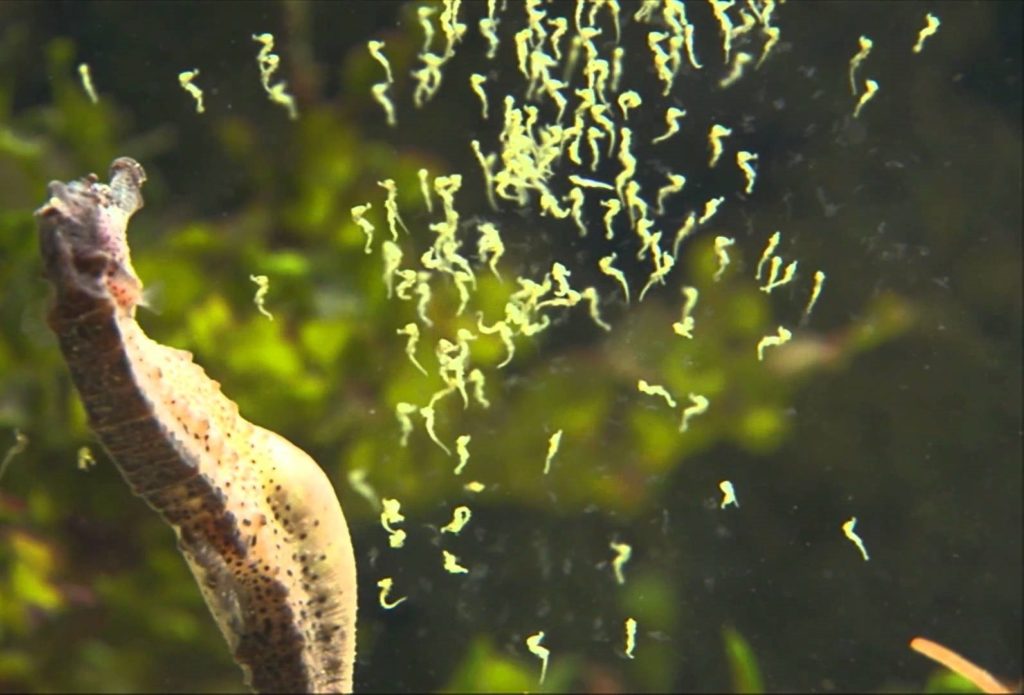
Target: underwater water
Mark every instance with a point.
(894, 400)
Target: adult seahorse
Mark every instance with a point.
(256, 519)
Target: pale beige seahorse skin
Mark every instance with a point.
(256, 518)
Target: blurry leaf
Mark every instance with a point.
(746, 677)
(945, 681)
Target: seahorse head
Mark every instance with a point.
(82, 235)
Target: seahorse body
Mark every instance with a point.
(256, 518)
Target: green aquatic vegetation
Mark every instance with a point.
(816, 433)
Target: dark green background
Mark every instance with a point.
(899, 403)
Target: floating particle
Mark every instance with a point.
(385, 585)
(630, 637)
(819, 282)
(474, 486)
(931, 26)
(728, 495)
(185, 80)
(86, 76)
(357, 480)
(773, 242)
(378, 55)
(743, 161)
(855, 61)
(781, 338)
(848, 531)
(451, 564)
(391, 514)
(380, 95)
(460, 517)
(476, 83)
(533, 644)
(403, 411)
(358, 216)
(684, 326)
(605, 264)
(656, 390)
(85, 459)
(715, 136)
(268, 63)
(462, 451)
(553, 443)
(871, 87)
(623, 552)
(262, 287)
(675, 185)
(699, 407)
(672, 116)
(20, 443)
(721, 244)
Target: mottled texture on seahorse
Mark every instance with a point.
(256, 518)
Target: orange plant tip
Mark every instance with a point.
(981, 678)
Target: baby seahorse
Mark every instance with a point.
(256, 518)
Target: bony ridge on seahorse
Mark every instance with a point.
(256, 518)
